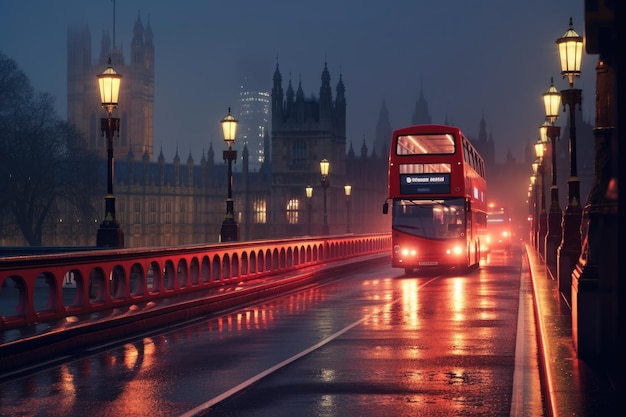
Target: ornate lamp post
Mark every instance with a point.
(324, 168)
(552, 102)
(540, 147)
(534, 206)
(348, 190)
(230, 228)
(570, 51)
(309, 195)
(110, 233)
(531, 210)
(597, 285)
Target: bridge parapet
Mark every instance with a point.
(44, 288)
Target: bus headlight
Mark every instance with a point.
(408, 252)
(456, 250)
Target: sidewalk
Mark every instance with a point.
(570, 386)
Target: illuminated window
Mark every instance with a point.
(435, 144)
(292, 211)
(259, 207)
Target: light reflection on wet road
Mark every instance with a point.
(388, 345)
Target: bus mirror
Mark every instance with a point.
(385, 207)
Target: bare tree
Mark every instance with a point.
(43, 159)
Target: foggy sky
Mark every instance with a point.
(471, 58)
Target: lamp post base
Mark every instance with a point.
(110, 235)
(230, 231)
(569, 250)
(553, 239)
(586, 313)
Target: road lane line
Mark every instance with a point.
(268, 371)
(208, 404)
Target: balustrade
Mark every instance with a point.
(44, 288)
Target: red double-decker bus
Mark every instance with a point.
(437, 191)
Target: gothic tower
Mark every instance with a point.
(136, 102)
(307, 130)
(304, 131)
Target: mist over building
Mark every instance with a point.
(136, 103)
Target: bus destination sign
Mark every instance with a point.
(432, 183)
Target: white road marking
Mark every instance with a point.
(208, 404)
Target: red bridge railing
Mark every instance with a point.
(40, 288)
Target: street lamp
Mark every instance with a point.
(110, 233)
(570, 51)
(534, 206)
(552, 102)
(534, 184)
(309, 195)
(540, 148)
(348, 190)
(324, 168)
(230, 228)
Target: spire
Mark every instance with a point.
(278, 79)
(351, 154)
(326, 95)
(300, 92)
(290, 92)
(383, 129)
(161, 168)
(210, 153)
(421, 115)
(190, 169)
(339, 116)
(482, 133)
(277, 97)
(148, 36)
(137, 43)
(341, 89)
(148, 47)
(363, 150)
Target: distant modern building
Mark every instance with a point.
(136, 108)
(253, 122)
(253, 110)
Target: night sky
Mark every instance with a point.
(491, 58)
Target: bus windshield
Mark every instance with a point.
(432, 219)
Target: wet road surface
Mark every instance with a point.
(373, 343)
